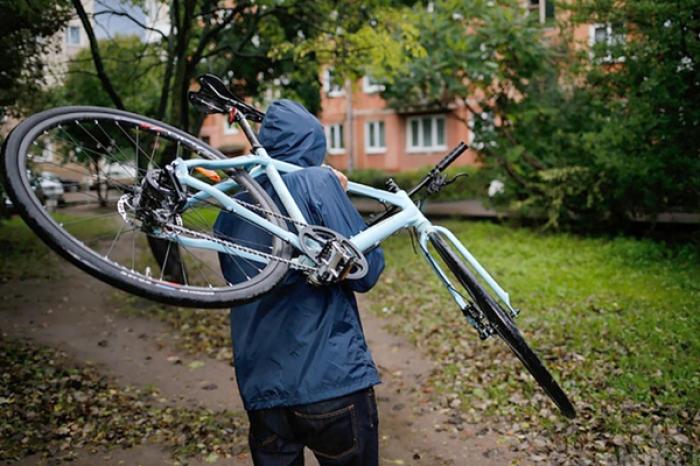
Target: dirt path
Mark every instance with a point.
(73, 313)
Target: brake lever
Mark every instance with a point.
(454, 178)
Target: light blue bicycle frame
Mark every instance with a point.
(408, 216)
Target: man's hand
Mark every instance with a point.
(341, 177)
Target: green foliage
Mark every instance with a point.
(471, 187)
(357, 38)
(614, 318)
(585, 138)
(27, 27)
(630, 116)
(134, 70)
(478, 50)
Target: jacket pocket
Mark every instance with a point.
(330, 435)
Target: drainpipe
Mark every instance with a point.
(349, 125)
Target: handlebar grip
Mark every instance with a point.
(451, 157)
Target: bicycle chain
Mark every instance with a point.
(228, 244)
(267, 212)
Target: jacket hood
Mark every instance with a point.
(291, 134)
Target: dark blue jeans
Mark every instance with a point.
(340, 431)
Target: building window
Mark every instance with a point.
(543, 10)
(229, 128)
(603, 39)
(73, 35)
(371, 85)
(336, 141)
(374, 137)
(205, 139)
(426, 133)
(331, 85)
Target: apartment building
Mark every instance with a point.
(364, 133)
(65, 45)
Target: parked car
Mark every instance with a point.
(113, 175)
(69, 186)
(48, 187)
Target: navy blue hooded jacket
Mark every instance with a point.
(300, 343)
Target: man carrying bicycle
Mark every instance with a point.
(303, 368)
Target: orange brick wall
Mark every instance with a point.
(371, 107)
(214, 128)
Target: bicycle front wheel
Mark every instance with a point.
(503, 324)
(69, 170)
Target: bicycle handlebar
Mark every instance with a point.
(452, 156)
(432, 175)
(440, 167)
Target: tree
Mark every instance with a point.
(591, 137)
(620, 140)
(649, 147)
(135, 73)
(27, 28)
(482, 55)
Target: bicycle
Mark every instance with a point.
(166, 188)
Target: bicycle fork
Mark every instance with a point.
(473, 315)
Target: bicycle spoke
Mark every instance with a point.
(165, 261)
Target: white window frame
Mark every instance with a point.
(610, 40)
(369, 88)
(230, 128)
(69, 40)
(333, 131)
(421, 147)
(331, 90)
(375, 149)
(541, 10)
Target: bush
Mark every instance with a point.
(473, 186)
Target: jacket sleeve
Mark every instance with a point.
(337, 213)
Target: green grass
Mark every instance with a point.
(616, 319)
(24, 256)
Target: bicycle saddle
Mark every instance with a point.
(214, 97)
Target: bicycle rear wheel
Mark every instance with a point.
(503, 324)
(69, 170)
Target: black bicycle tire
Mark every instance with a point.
(504, 326)
(17, 185)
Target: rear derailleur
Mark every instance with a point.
(335, 257)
